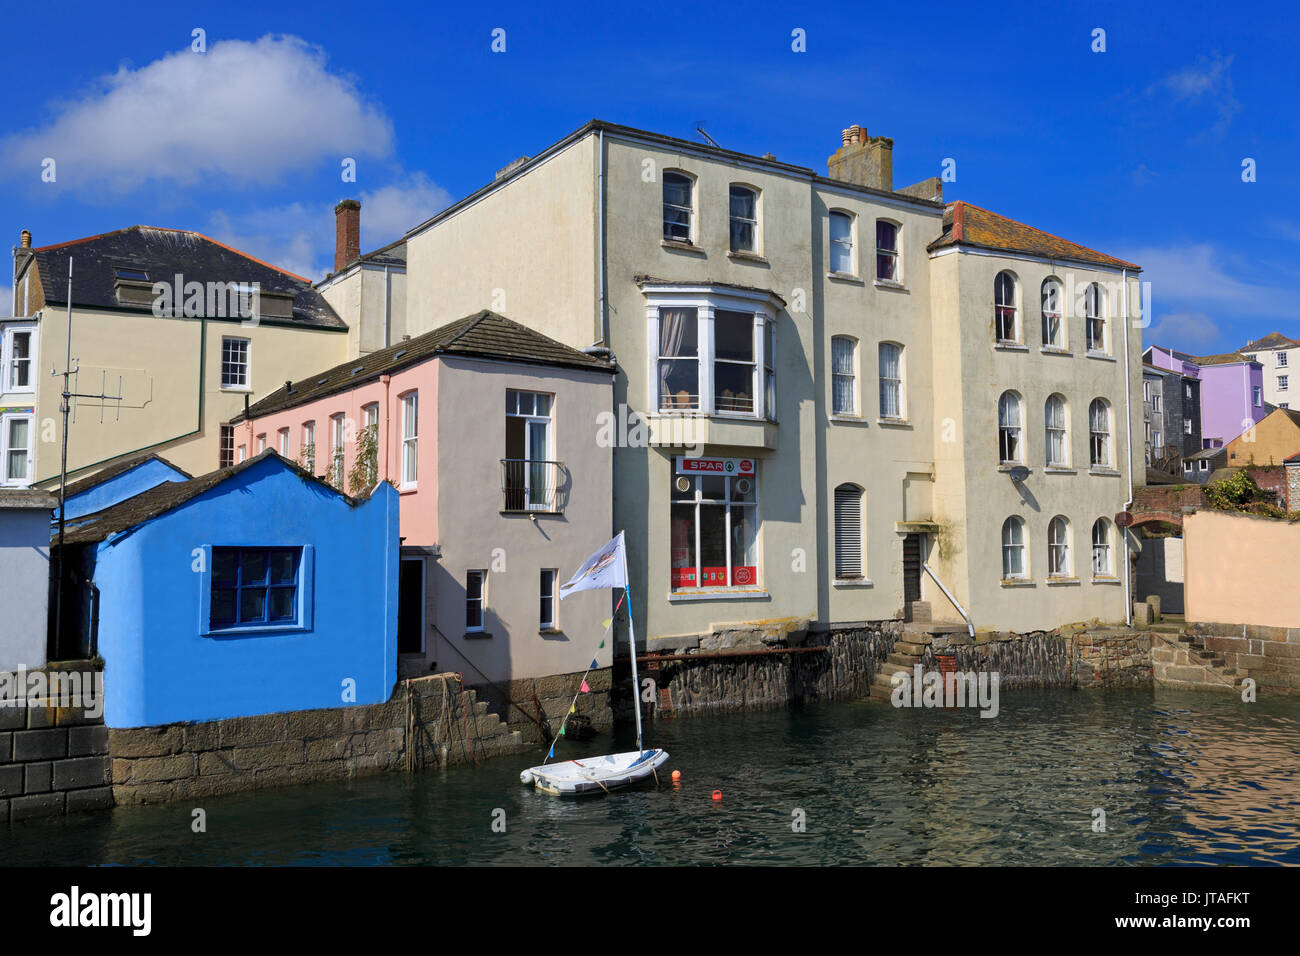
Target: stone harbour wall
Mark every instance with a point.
(429, 721)
(546, 701)
(53, 760)
(1268, 655)
(1074, 657)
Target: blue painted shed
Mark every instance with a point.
(250, 590)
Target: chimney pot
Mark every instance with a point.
(863, 160)
(25, 239)
(347, 233)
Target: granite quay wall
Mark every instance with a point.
(430, 721)
(536, 706)
(1270, 656)
(1075, 656)
(53, 758)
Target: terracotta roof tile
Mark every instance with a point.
(967, 225)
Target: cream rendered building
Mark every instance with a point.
(806, 414)
(1278, 355)
(180, 378)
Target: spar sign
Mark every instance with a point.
(727, 467)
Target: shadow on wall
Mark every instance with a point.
(1160, 572)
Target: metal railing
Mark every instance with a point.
(529, 485)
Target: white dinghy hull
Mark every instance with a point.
(595, 774)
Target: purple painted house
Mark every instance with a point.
(1232, 390)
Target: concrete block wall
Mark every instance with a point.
(430, 721)
(53, 760)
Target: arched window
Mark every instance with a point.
(841, 226)
(1101, 566)
(887, 251)
(1099, 433)
(1058, 444)
(848, 532)
(1009, 448)
(1052, 334)
(1004, 298)
(679, 206)
(744, 219)
(891, 380)
(1013, 549)
(844, 375)
(1094, 310)
(1058, 547)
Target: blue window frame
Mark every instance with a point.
(254, 587)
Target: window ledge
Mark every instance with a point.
(1018, 583)
(407, 489)
(524, 512)
(1010, 347)
(1107, 472)
(255, 630)
(550, 632)
(1008, 466)
(894, 422)
(845, 277)
(1061, 580)
(853, 583)
(688, 247)
(736, 255)
(890, 284)
(719, 594)
(1060, 470)
(236, 388)
(846, 419)
(477, 635)
(1100, 356)
(1055, 350)
(1105, 579)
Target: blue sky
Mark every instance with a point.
(1136, 151)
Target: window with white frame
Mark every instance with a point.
(1282, 383)
(410, 437)
(848, 532)
(1004, 308)
(531, 476)
(891, 381)
(744, 218)
(711, 353)
(679, 206)
(1187, 467)
(1281, 360)
(1094, 310)
(1099, 434)
(1101, 566)
(371, 413)
(1205, 464)
(1009, 448)
(887, 251)
(1155, 399)
(1014, 564)
(338, 432)
(309, 446)
(234, 362)
(284, 442)
(1058, 445)
(1052, 328)
(16, 453)
(475, 600)
(713, 526)
(844, 375)
(1258, 393)
(226, 446)
(17, 353)
(546, 603)
(841, 229)
(1187, 426)
(1187, 391)
(242, 453)
(1058, 547)
(261, 443)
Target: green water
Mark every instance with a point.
(1182, 778)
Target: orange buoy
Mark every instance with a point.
(677, 775)
(717, 796)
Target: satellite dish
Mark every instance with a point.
(1019, 473)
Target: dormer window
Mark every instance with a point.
(131, 275)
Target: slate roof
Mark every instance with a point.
(481, 335)
(162, 254)
(119, 467)
(1205, 453)
(967, 225)
(27, 498)
(1274, 340)
(164, 497)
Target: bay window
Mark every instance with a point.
(17, 353)
(714, 524)
(679, 359)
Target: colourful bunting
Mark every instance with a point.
(606, 623)
(584, 689)
(594, 665)
(602, 643)
(562, 733)
(552, 753)
(573, 708)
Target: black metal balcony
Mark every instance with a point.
(534, 485)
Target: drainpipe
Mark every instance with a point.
(1128, 431)
(970, 625)
(600, 237)
(388, 307)
(386, 379)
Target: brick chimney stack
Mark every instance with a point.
(347, 233)
(25, 239)
(863, 160)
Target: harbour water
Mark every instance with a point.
(1181, 778)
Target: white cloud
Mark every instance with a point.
(299, 236)
(244, 112)
(1208, 80)
(1200, 278)
(1193, 332)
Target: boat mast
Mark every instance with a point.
(631, 636)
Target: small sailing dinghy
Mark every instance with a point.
(607, 568)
